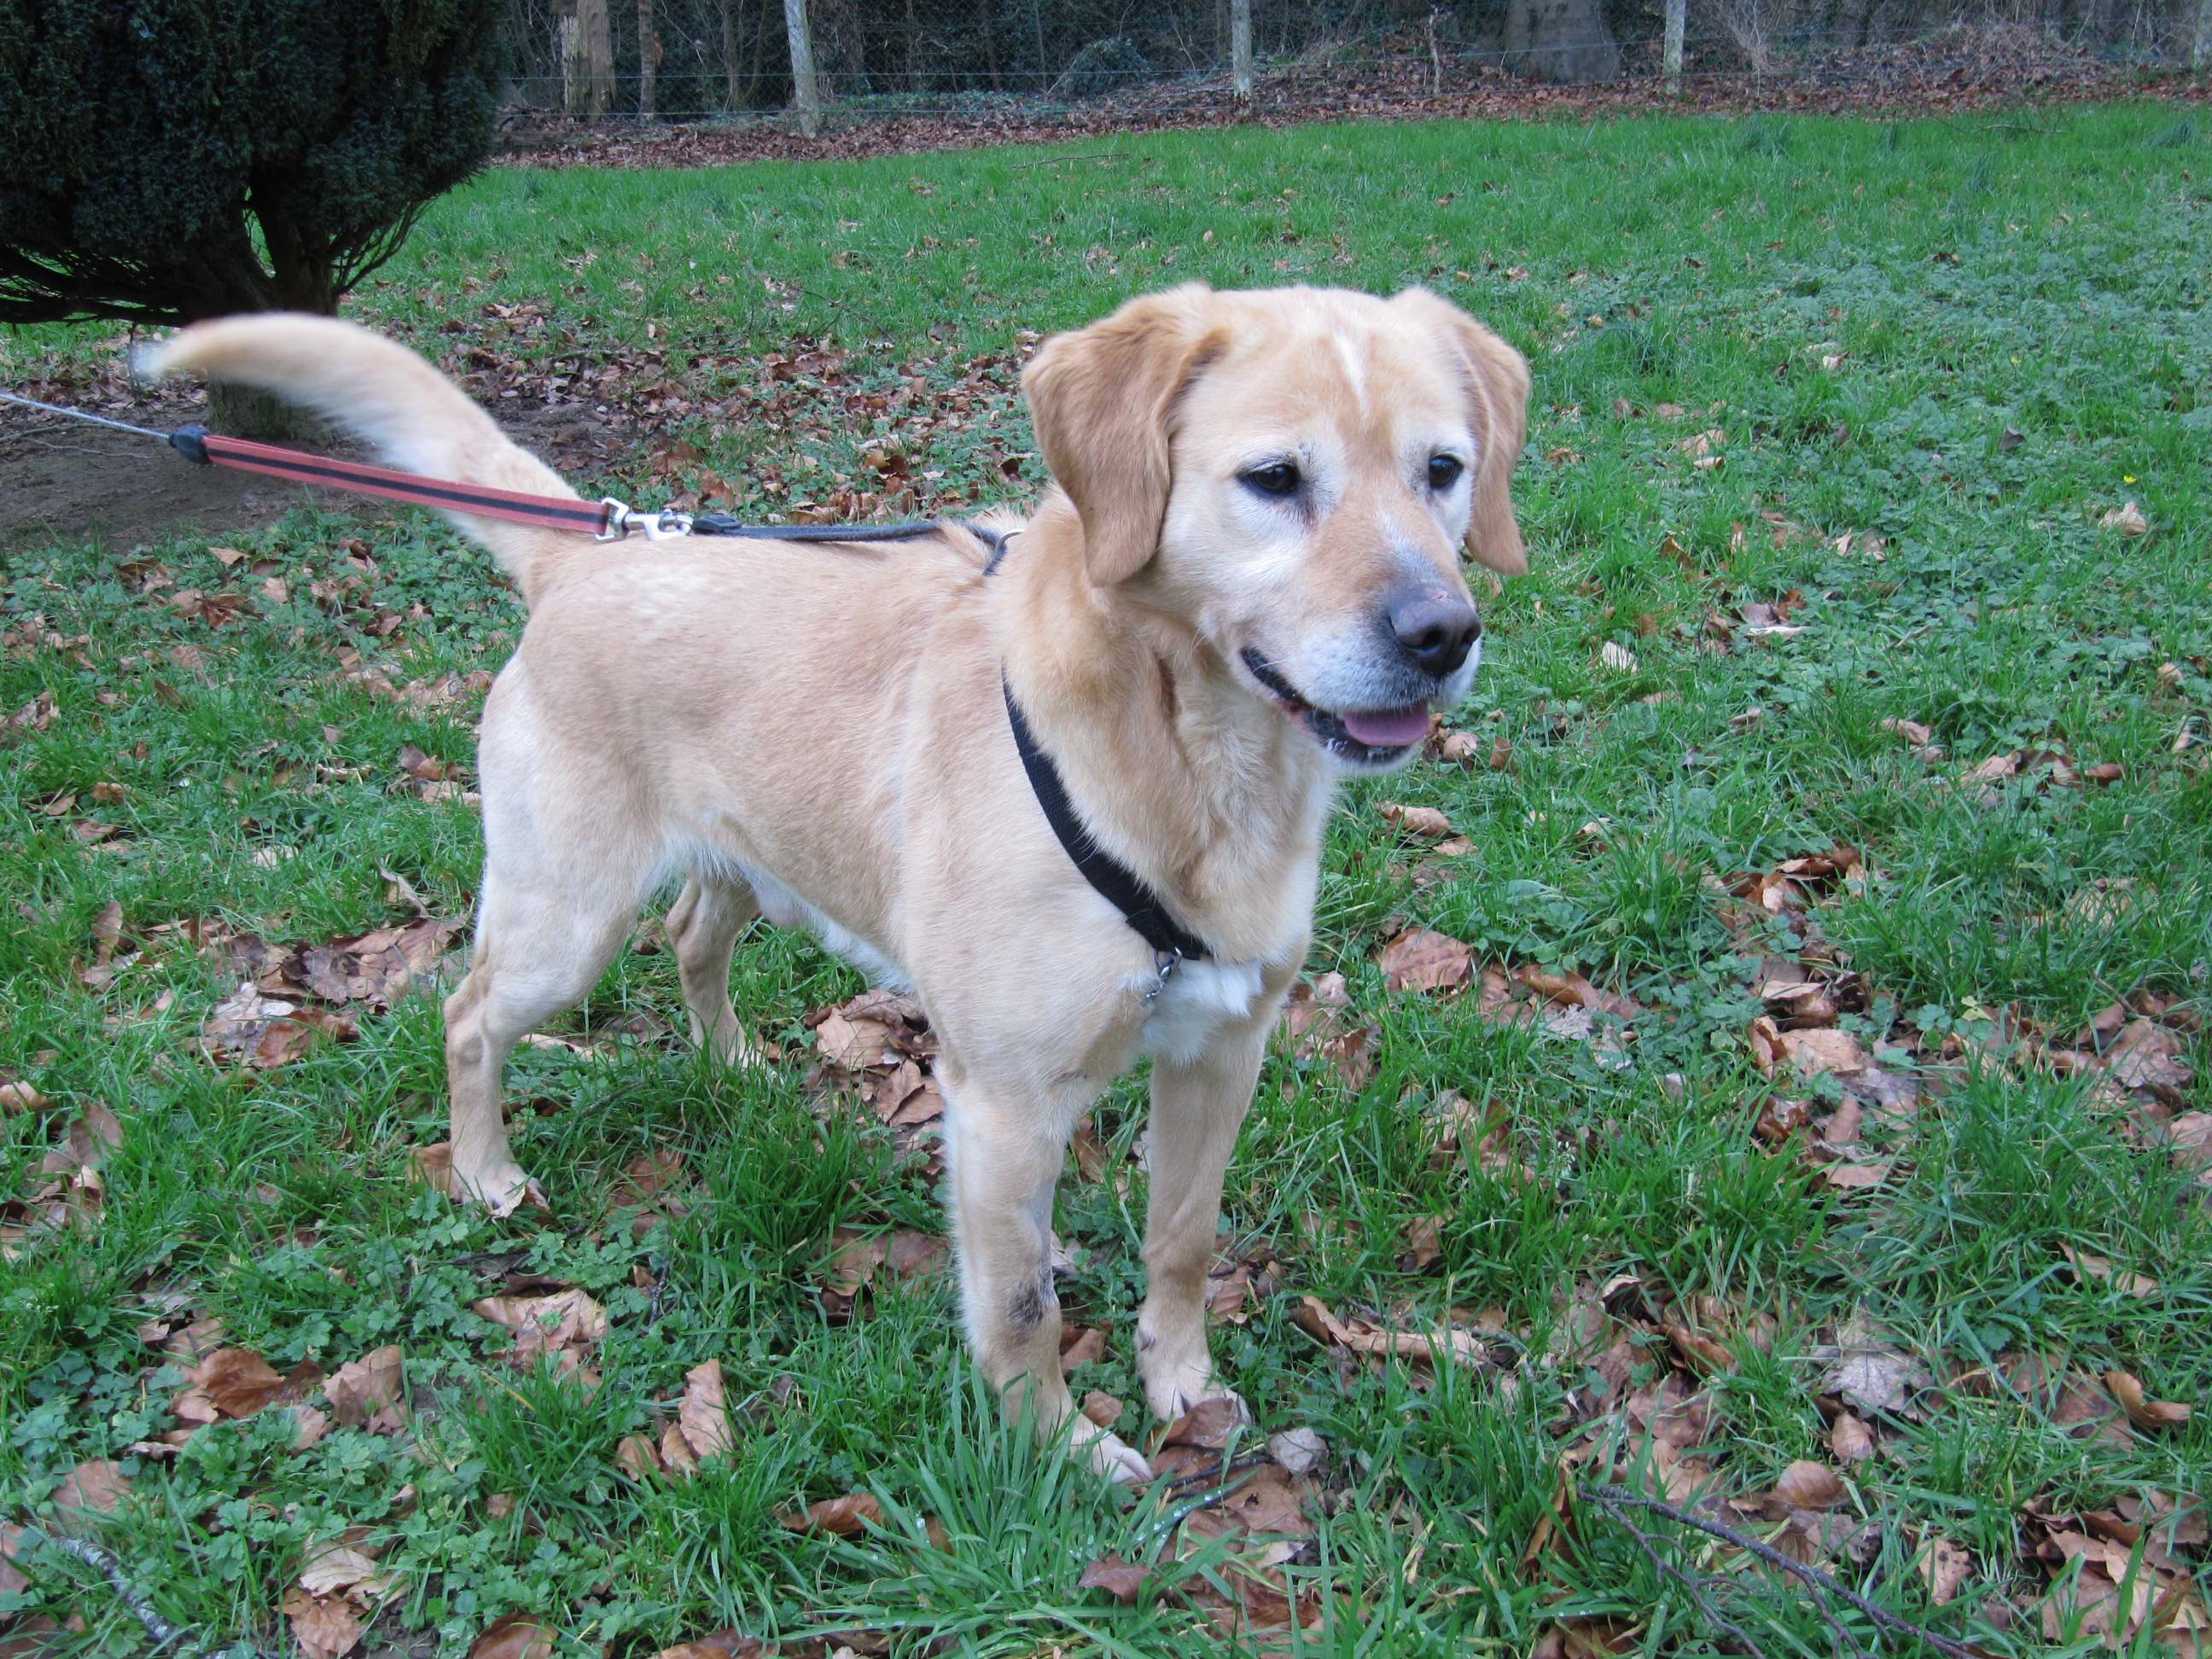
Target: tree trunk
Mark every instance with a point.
(1563, 40)
(983, 9)
(595, 32)
(248, 411)
(573, 68)
(806, 96)
(2200, 49)
(730, 97)
(1240, 50)
(648, 58)
(1677, 11)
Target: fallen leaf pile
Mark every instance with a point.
(1317, 1024)
(563, 1325)
(2115, 1574)
(856, 1255)
(2036, 770)
(338, 1588)
(71, 1190)
(1256, 1526)
(1756, 619)
(700, 1428)
(877, 1049)
(291, 996)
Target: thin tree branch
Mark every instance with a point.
(132, 1597)
(1609, 1498)
(1668, 1570)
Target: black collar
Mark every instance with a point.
(1125, 890)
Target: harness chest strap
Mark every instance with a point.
(1121, 886)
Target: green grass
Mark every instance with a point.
(1974, 280)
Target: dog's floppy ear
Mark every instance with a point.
(1101, 399)
(1498, 384)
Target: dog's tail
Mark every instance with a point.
(412, 417)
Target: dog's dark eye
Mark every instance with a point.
(1276, 478)
(1444, 471)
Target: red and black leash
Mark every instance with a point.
(606, 520)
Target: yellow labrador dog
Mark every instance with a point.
(1245, 584)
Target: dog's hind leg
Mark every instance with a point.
(703, 925)
(541, 945)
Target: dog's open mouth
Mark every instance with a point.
(1364, 735)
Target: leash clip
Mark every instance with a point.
(1163, 962)
(622, 519)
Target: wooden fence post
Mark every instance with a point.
(806, 96)
(648, 58)
(1240, 50)
(1672, 60)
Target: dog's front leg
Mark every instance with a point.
(1005, 1158)
(1197, 1109)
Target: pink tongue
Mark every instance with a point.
(1390, 728)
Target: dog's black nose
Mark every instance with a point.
(1435, 630)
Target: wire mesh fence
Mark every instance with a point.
(694, 60)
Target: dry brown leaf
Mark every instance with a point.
(1850, 1439)
(1856, 1176)
(324, 1626)
(560, 1324)
(240, 1382)
(1912, 731)
(2128, 520)
(1102, 1409)
(2148, 1055)
(359, 1388)
(2145, 1413)
(702, 1416)
(343, 1565)
(95, 1483)
(1209, 1425)
(308, 1427)
(635, 1452)
(676, 1453)
(1117, 1578)
(847, 1516)
(1081, 1347)
(2087, 1267)
(1808, 1485)
(1816, 1051)
(1425, 823)
(1944, 1568)
(22, 1097)
(1442, 1344)
(518, 1636)
(1423, 1242)
(1419, 960)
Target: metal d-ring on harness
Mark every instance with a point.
(609, 519)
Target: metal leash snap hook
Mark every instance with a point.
(619, 519)
(663, 526)
(1163, 962)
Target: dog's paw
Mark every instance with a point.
(1171, 1390)
(1112, 1456)
(502, 1189)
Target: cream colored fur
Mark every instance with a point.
(817, 732)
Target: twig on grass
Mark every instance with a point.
(1689, 1582)
(1611, 1499)
(132, 1596)
(1054, 160)
(1220, 1472)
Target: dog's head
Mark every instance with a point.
(1295, 472)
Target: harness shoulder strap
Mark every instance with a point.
(1121, 887)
